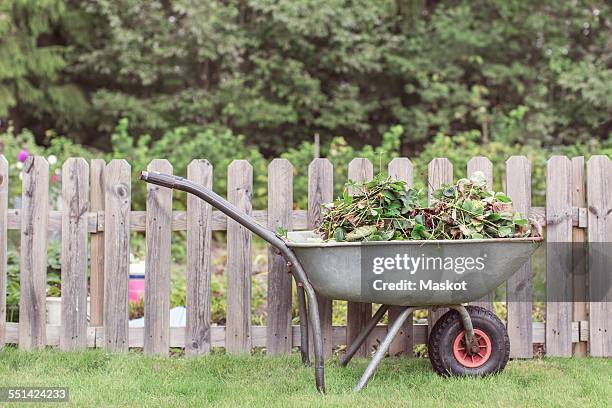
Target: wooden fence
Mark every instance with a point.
(96, 214)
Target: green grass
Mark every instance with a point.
(97, 378)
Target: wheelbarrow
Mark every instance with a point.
(466, 340)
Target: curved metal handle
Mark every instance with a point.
(220, 203)
(233, 212)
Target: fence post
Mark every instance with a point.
(33, 256)
(96, 289)
(400, 168)
(157, 263)
(440, 172)
(238, 327)
(280, 207)
(358, 314)
(4, 180)
(558, 257)
(579, 259)
(75, 207)
(199, 245)
(321, 191)
(117, 203)
(519, 324)
(599, 198)
(484, 165)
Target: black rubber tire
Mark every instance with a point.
(446, 329)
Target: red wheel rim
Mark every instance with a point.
(472, 358)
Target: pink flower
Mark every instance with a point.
(23, 155)
(54, 178)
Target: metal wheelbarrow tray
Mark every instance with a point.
(467, 340)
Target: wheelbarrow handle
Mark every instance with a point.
(214, 199)
(233, 212)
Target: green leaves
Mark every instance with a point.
(339, 234)
(502, 198)
(383, 209)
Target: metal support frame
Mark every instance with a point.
(212, 198)
(363, 335)
(392, 332)
(467, 322)
(303, 314)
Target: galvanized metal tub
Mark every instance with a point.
(344, 270)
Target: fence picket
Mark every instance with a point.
(4, 180)
(579, 258)
(558, 257)
(117, 203)
(358, 314)
(519, 289)
(599, 198)
(239, 191)
(96, 287)
(440, 172)
(484, 165)
(321, 191)
(280, 205)
(400, 168)
(33, 259)
(157, 263)
(75, 204)
(199, 245)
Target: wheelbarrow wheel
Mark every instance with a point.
(450, 355)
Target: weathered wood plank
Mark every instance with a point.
(240, 192)
(440, 172)
(519, 289)
(599, 198)
(358, 314)
(96, 288)
(33, 253)
(485, 166)
(157, 264)
(95, 219)
(4, 181)
(579, 255)
(401, 169)
(219, 220)
(199, 245)
(75, 204)
(321, 191)
(95, 335)
(280, 204)
(117, 203)
(54, 222)
(559, 256)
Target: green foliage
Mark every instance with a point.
(57, 151)
(280, 71)
(31, 60)
(182, 145)
(385, 209)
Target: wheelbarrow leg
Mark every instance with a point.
(313, 314)
(363, 335)
(384, 347)
(303, 313)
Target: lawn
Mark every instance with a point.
(95, 377)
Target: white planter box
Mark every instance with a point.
(54, 310)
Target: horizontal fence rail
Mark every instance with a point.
(95, 223)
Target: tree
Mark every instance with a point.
(279, 71)
(31, 59)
